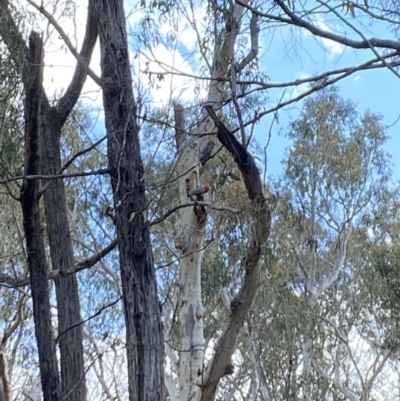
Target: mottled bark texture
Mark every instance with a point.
(144, 341)
(189, 238)
(32, 224)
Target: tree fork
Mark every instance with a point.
(73, 384)
(32, 224)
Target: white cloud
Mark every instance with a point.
(59, 62)
(333, 47)
(175, 79)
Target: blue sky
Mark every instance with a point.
(286, 54)
(374, 90)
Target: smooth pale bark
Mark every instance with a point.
(190, 236)
(144, 340)
(190, 241)
(258, 368)
(33, 227)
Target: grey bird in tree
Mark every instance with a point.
(198, 193)
(206, 153)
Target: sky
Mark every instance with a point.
(369, 90)
(285, 55)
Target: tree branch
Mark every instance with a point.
(83, 57)
(80, 153)
(179, 112)
(12, 37)
(261, 223)
(68, 101)
(54, 176)
(182, 205)
(103, 308)
(254, 48)
(90, 262)
(297, 21)
(56, 274)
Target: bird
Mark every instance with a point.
(206, 153)
(197, 193)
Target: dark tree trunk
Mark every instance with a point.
(144, 341)
(53, 118)
(32, 225)
(73, 386)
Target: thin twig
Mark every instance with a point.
(55, 176)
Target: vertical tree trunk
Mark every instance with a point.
(190, 242)
(4, 380)
(144, 341)
(191, 373)
(71, 348)
(73, 386)
(32, 225)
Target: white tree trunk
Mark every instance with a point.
(189, 238)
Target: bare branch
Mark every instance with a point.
(80, 153)
(56, 274)
(261, 222)
(179, 125)
(254, 30)
(82, 57)
(297, 21)
(385, 354)
(54, 176)
(68, 101)
(343, 389)
(102, 309)
(258, 368)
(182, 205)
(19, 317)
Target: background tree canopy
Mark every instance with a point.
(123, 275)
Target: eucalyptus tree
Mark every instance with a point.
(337, 176)
(12, 257)
(326, 207)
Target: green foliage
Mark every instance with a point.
(337, 177)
